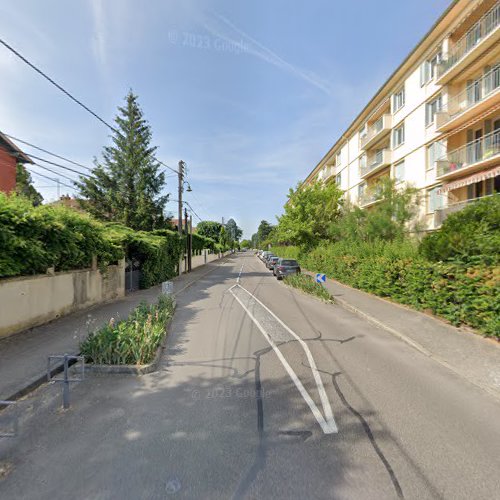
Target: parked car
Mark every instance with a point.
(267, 257)
(262, 254)
(285, 267)
(271, 262)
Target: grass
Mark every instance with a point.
(307, 284)
(133, 341)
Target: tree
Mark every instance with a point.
(210, 229)
(234, 232)
(24, 185)
(263, 232)
(309, 213)
(246, 244)
(126, 186)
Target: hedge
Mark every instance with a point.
(158, 252)
(460, 293)
(33, 239)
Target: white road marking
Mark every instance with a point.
(239, 275)
(326, 423)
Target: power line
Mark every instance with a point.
(40, 72)
(52, 179)
(55, 172)
(62, 89)
(46, 151)
(61, 166)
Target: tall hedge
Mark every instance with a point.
(158, 252)
(460, 293)
(33, 239)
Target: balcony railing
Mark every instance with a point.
(476, 92)
(473, 152)
(383, 124)
(381, 157)
(369, 197)
(442, 213)
(487, 24)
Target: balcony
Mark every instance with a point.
(376, 131)
(481, 95)
(442, 213)
(381, 160)
(473, 156)
(368, 199)
(484, 34)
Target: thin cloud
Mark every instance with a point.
(264, 53)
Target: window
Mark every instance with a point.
(398, 99)
(361, 190)
(338, 179)
(338, 158)
(399, 171)
(363, 131)
(435, 151)
(431, 108)
(428, 68)
(434, 199)
(398, 136)
(362, 161)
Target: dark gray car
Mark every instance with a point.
(285, 267)
(271, 262)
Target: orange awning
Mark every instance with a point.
(472, 179)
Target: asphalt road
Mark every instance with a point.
(264, 392)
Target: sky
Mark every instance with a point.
(250, 94)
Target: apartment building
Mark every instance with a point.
(434, 124)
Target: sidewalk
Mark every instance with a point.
(23, 356)
(471, 356)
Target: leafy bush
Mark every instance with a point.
(157, 252)
(471, 235)
(35, 238)
(462, 294)
(133, 341)
(307, 284)
(201, 243)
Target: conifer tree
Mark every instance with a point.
(126, 185)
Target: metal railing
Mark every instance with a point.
(378, 159)
(473, 152)
(375, 128)
(369, 197)
(476, 92)
(442, 213)
(481, 29)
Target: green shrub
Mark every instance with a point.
(157, 252)
(462, 294)
(471, 235)
(35, 238)
(133, 341)
(307, 284)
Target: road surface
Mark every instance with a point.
(264, 392)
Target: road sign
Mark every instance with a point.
(320, 278)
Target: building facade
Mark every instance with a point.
(10, 155)
(434, 124)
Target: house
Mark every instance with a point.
(434, 124)
(10, 155)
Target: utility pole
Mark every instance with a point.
(186, 263)
(180, 174)
(190, 242)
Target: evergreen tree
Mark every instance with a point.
(126, 185)
(24, 185)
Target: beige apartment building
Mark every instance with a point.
(435, 123)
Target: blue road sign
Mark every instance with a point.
(320, 278)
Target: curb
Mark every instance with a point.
(344, 304)
(135, 369)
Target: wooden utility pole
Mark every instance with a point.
(180, 175)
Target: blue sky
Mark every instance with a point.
(250, 94)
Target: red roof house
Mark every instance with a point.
(10, 155)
